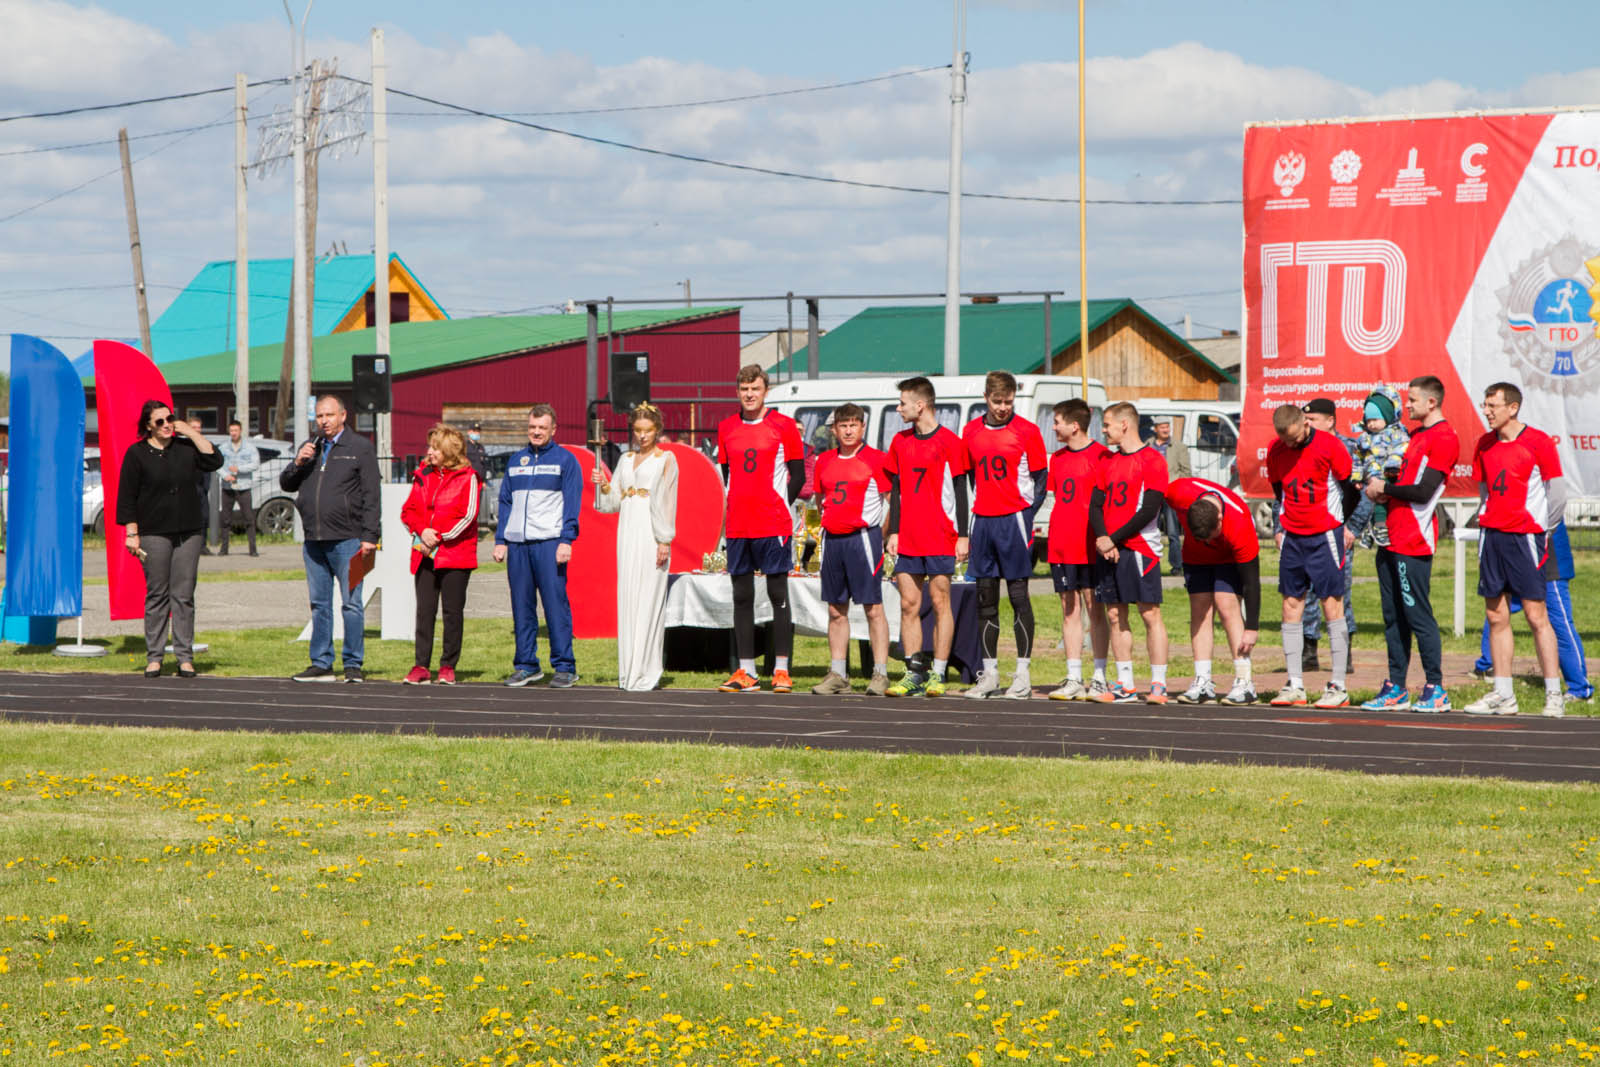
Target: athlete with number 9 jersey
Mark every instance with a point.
(1074, 472)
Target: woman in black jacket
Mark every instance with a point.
(160, 504)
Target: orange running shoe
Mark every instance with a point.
(1158, 693)
(781, 682)
(739, 682)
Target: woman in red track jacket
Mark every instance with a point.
(442, 515)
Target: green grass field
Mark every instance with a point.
(210, 898)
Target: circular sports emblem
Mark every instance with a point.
(1545, 324)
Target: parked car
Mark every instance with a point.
(274, 507)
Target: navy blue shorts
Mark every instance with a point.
(1070, 577)
(925, 565)
(1519, 564)
(1213, 578)
(852, 566)
(1001, 547)
(1132, 579)
(1312, 562)
(769, 555)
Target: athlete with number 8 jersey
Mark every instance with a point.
(1009, 469)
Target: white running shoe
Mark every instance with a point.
(1098, 689)
(1071, 689)
(1021, 686)
(1290, 696)
(988, 684)
(1333, 696)
(1555, 705)
(1200, 692)
(1492, 703)
(1242, 693)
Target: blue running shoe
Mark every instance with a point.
(1390, 698)
(1433, 701)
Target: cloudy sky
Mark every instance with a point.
(497, 218)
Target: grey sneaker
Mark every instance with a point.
(1071, 689)
(1201, 692)
(879, 685)
(1241, 693)
(1555, 705)
(834, 683)
(987, 685)
(1021, 687)
(316, 674)
(1098, 689)
(1492, 703)
(564, 680)
(518, 679)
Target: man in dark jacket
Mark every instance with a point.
(336, 476)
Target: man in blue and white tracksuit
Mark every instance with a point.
(539, 502)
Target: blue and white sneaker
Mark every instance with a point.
(1392, 698)
(1433, 701)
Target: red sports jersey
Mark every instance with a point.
(1124, 477)
(757, 456)
(1312, 477)
(1413, 529)
(853, 489)
(1516, 472)
(1004, 460)
(927, 468)
(1235, 542)
(1073, 476)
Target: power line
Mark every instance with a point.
(777, 173)
(113, 140)
(136, 103)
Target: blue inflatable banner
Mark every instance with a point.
(44, 518)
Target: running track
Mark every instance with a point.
(1524, 747)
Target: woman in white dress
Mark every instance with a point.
(644, 490)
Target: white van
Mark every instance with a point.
(958, 400)
(1210, 428)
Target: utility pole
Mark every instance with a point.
(1083, 223)
(241, 259)
(133, 243)
(688, 298)
(380, 222)
(952, 267)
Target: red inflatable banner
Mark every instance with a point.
(123, 380)
(1464, 247)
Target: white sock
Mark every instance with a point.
(1023, 663)
(1158, 673)
(1241, 670)
(1125, 672)
(1202, 670)
(780, 663)
(1099, 670)
(1075, 670)
(1552, 687)
(991, 666)
(1502, 685)
(748, 666)
(939, 667)
(837, 666)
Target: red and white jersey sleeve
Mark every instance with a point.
(1073, 476)
(1124, 479)
(853, 490)
(927, 468)
(757, 455)
(1312, 477)
(1235, 542)
(1516, 473)
(1414, 528)
(1004, 461)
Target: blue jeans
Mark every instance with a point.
(327, 562)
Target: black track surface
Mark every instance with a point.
(1524, 747)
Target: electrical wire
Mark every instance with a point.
(136, 103)
(113, 140)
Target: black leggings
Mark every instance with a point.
(447, 584)
(989, 616)
(744, 615)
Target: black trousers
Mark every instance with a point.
(227, 499)
(1403, 583)
(449, 585)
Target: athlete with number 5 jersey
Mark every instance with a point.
(764, 468)
(1519, 481)
(1074, 471)
(1009, 468)
(1310, 475)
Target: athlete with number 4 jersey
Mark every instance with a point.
(1074, 472)
(1519, 481)
(1009, 469)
